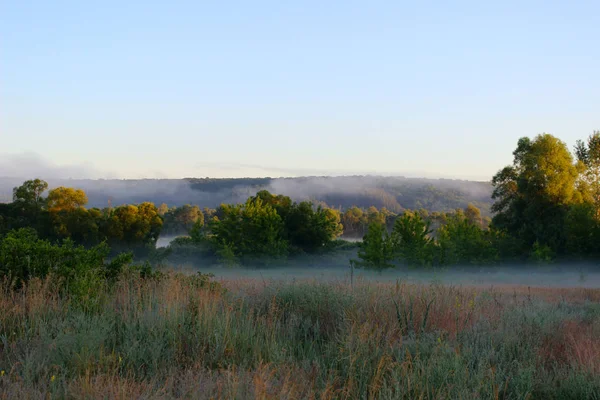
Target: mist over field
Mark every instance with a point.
(557, 276)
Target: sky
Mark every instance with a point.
(159, 89)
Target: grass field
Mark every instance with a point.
(181, 337)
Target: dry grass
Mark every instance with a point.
(175, 338)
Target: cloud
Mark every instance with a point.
(32, 165)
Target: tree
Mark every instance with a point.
(251, 232)
(378, 248)
(309, 230)
(80, 225)
(473, 215)
(182, 219)
(582, 231)
(588, 153)
(354, 222)
(133, 225)
(333, 227)
(66, 199)
(414, 245)
(532, 196)
(163, 209)
(30, 192)
(373, 215)
(27, 207)
(462, 241)
(280, 203)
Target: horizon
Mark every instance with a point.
(251, 177)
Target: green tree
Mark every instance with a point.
(377, 249)
(30, 192)
(252, 232)
(80, 225)
(462, 241)
(308, 230)
(414, 245)
(582, 231)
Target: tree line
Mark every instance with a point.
(266, 227)
(546, 207)
(62, 215)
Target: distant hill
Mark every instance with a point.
(394, 193)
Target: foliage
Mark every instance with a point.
(66, 199)
(251, 232)
(532, 197)
(582, 231)
(24, 256)
(588, 154)
(311, 230)
(378, 248)
(267, 228)
(178, 220)
(132, 224)
(415, 247)
(541, 254)
(462, 241)
(30, 193)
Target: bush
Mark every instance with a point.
(24, 256)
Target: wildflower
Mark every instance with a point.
(52, 378)
(2, 373)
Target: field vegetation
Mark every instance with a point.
(174, 335)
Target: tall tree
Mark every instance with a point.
(30, 192)
(532, 195)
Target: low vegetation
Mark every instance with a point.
(178, 336)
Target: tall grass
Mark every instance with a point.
(180, 336)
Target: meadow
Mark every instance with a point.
(189, 336)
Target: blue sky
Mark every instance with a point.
(255, 88)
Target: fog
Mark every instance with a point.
(165, 240)
(394, 193)
(548, 276)
(335, 268)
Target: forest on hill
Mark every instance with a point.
(393, 193)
